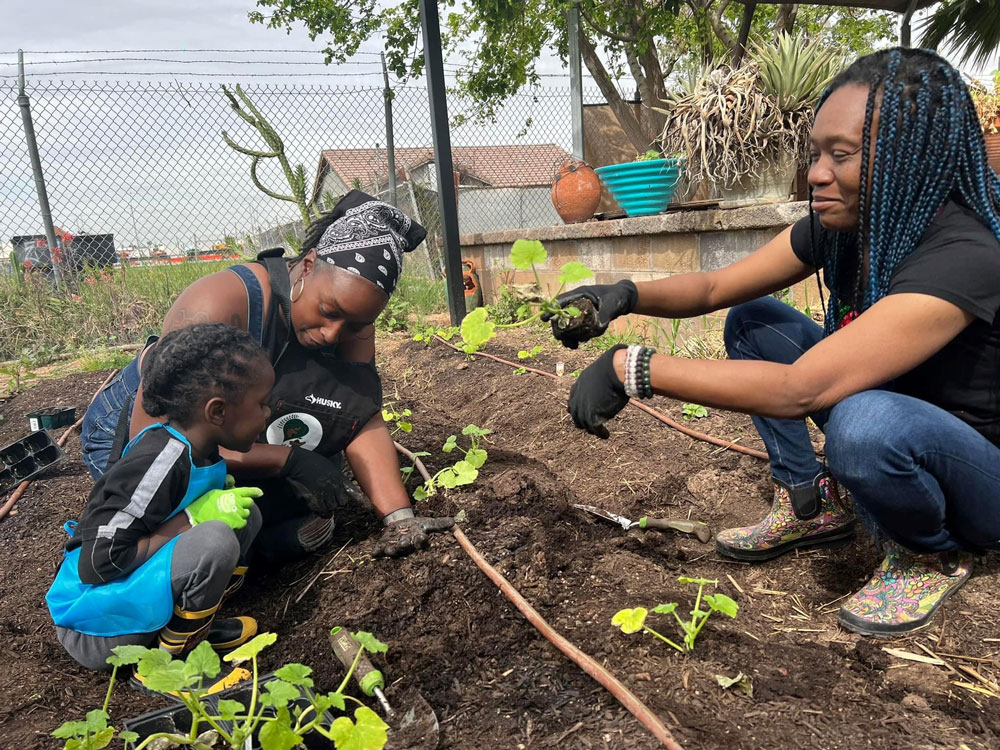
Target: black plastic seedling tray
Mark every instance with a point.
(27, 458)
(51, 418)
(177, 718)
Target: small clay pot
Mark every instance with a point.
(576, 191)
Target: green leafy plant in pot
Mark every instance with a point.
(745, 131)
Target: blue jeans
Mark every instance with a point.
(918, 474)
(97, 434)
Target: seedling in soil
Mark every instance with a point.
(273, 714)
(426, 335)
(633, 620)
(530, 353)
(397, 421)
(462, 472)
(520, 370)
(477, 328)
(694, 411)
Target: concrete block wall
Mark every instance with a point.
(642, 249)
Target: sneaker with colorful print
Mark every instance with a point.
(826, 522)
(905, 591)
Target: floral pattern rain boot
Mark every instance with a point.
(815, 517)
(905, 591)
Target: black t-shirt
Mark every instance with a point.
(957, 260)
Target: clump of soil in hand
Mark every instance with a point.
(583, 326)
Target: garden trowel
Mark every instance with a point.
(413, 725)
(695, 528)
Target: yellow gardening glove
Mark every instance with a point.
(232, 506)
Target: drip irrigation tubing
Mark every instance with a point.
(416, 461)
(634, 402)
(587, 663)
(19, 490)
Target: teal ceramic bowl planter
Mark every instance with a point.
(642, 188)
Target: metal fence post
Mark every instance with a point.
(447, 195)
(575, 80)
(389, 149)
(36, 168)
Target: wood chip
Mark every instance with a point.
(735, 585)
(909, 656)
(770, 592)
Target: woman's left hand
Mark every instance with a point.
(409, 534)
(598, 395)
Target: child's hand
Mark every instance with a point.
(232, 506)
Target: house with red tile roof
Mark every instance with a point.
(499, 187)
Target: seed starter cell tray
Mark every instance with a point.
(52, 417)
(26, 458)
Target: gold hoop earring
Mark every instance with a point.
(302, 285)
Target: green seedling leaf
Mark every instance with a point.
(278, 734)
(698, 581)
(421, 454)
(407, 413)
(370, 642)
(296, 674)
(126, 736)
(476, 457)
(123, 655)
(447, 333)
(476, 330)
(366, 732)
(465, 473)
(450, 443)
(70, 729)
(229, 710)
(573, 272)
(694, 411)
(740, 682)
(665, 609)
(522, 354)
(279, 693)
(97, 720)
(420, 493)
(520, 370)
(328, 701)
(405, 426)
(476, 430)
(153, 659)
(526, 354)
(630, 620)
(202, 662)
(524, 253)
(170, 678)
(251, 648)
(387, 416)
(722, 603)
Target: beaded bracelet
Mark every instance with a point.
(644, 384)
(632, 366)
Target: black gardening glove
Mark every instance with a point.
(597, 395)
(408, 534)
(317, 481)
(610, 301)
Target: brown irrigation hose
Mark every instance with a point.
(19, 490)
(416, 461)
(624, 696)
(639, 405)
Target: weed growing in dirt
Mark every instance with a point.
(426, 334)
(633, 620)
(397, 421)
(17, 371)
(477, 328)
(275, 713)
(462, 472)
(693, 411)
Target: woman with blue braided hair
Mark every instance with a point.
(903, 378)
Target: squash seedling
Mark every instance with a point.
(462, 472)
(276, 713)
(694, 411)
(477, 329)
(633, 620)
(530, 353)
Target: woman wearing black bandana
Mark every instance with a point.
(315, 316)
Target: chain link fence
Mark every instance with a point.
(138, 171)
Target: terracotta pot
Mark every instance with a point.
(576, 191)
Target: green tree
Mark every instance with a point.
(501, 40)
(970, 28)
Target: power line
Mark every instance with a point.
(147, 51)
(191, 62)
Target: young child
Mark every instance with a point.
(162, 540)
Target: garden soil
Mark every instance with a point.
(493, 680)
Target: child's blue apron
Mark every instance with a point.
(142, 601)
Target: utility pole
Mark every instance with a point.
(447, 195)
(36, 168)
(390, 150)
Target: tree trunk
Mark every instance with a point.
(786, 19)
(622, 110)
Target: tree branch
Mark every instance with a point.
(606, 32)
(715, 18)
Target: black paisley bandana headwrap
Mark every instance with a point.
(368, 238)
